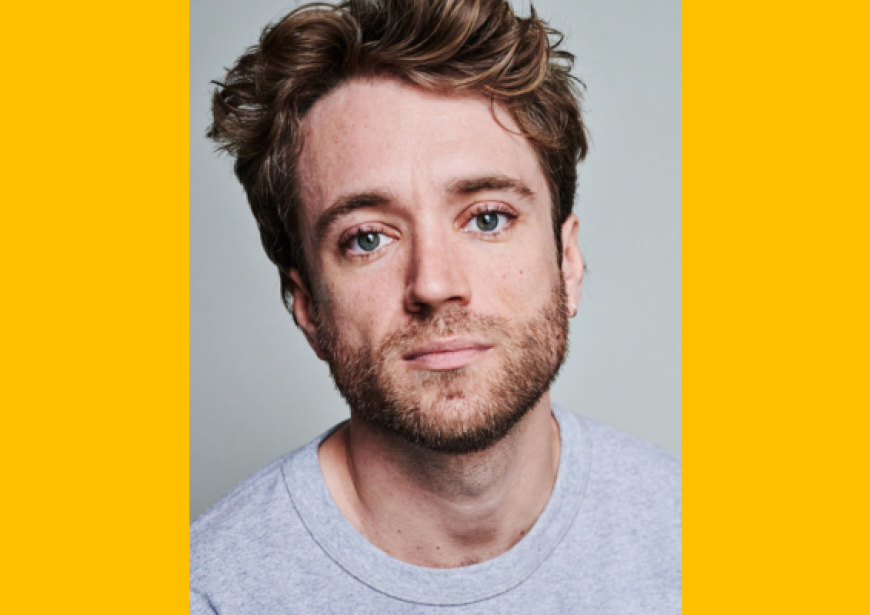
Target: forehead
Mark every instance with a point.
(384, 134)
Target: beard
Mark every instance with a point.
(456, 411)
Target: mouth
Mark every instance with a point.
(446, 354)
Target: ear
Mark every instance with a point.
(303, 310)
(572, 263)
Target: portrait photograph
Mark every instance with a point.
(440, 233)
(257, 389)
(415, 306)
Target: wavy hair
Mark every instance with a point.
(441, 45)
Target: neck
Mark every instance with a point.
(441, 510)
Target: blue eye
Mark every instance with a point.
(487, 221)
(364, 243)
(368, 241)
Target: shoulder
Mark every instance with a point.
(231, 513)
(625, 458)
(251, 524)
(253, 551)
(629, 477)
(628, 526)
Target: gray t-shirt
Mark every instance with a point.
(608, 541)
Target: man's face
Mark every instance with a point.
(436, 297)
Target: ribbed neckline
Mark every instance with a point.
(431, 586)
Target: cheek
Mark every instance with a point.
(362, 307)
(523, 279)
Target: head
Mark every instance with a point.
(412, 166)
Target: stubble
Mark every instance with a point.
(456, 411)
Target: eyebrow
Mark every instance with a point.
(345, 205)
(459, 187)
(485, 183)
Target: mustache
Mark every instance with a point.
(446, 321)
(452, 321)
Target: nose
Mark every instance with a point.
(437, 275)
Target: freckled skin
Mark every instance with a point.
(423, 141)
(380, 135)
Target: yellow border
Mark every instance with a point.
(776, 307)
(95, 319)
(94, 362)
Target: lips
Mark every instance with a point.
(446, 354)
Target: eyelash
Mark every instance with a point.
(347, 240)
(494, 208)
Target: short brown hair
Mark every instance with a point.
(441, 45)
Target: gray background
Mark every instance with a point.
(257, 390)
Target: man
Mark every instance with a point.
(412, 165)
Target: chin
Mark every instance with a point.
(449, 413)
(462, 410)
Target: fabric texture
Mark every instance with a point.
(608, 541)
